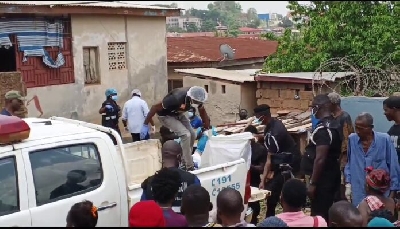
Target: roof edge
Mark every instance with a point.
(82, 8)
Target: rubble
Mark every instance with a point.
(295, 122)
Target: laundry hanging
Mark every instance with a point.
(32, 37)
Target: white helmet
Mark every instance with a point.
(198, 94)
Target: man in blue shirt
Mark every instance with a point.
(195, 121)
(171, 153)
(369, 148)
(13, 103)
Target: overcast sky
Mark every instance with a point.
(260, 6)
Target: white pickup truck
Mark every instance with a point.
(58, 162)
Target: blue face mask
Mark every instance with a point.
(314, 121)
(190, 114)
(114, 97)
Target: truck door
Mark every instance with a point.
(14, 208)
(60, 175)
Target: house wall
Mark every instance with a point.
(146, 66)
(281, 95)
(248, 97)
(221, 108)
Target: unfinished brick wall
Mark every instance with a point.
(12, 81)
(281, 96)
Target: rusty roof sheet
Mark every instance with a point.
(206, 49)
(110, 4)
(326, 76)
(215, 73)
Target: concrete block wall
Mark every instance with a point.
(281, 96)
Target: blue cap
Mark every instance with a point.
(110, 91)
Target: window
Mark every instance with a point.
(223, 89)
(172, 84)
(8, 60)
(116, 56)
(9, 201)
(206, 87)
(59, 173)
(90, 65)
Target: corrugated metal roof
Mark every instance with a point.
(327, 76)
(230, 75)
(250, 72)
(110, 4)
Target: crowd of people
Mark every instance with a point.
(348, 174)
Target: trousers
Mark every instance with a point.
(180, 125)
(324, 195)
(275, 186)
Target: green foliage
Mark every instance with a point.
(270, 36)
(227, 13)
(174, 29)
(192, 28)
(355, 29)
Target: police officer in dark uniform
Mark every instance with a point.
(110, 112)
(321, 159)
(281, 150)
(172, 114)
(171, 153)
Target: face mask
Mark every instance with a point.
(114, 97)
(190, 114)
(259, 120)
(314, 121)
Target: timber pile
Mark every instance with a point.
(295, 122)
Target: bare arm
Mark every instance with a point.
(319, 162)
(322, 141)
(102, 110)
(363, 208)
(153, 110)
(267, 168)
(204, 117)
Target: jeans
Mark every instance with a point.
(180, 125)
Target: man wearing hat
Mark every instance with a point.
(281, 150)
(13, 103)
(133, 114)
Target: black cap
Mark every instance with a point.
(263, 108)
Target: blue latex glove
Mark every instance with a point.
(109, 108)
(144, 132)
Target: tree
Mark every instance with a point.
(208, 26)
(174, 29)
(174, 5)
(353, 29)
(191, 28)
(252, 18)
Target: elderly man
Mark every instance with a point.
(14, 101)
(133, 114)
(368, 148)
(346, 128)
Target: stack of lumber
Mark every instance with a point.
(295, 122)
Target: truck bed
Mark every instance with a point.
(143, 159)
